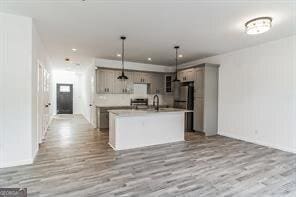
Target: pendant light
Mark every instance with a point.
(122, 76)
(176, 77)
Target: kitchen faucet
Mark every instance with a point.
(157, 103)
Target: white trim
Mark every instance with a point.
(17, 163)
(112, 146)
(286, 149)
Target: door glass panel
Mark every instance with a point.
(64, 88)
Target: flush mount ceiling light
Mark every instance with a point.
(74, 50)
(149, 59)
(258, 25)
(180, 56)
(122, 76)
(118, 55)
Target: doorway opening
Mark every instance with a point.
(64, 98)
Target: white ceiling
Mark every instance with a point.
(201, 28)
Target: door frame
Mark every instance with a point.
(57, 95)
(40, 91)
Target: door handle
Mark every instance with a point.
(90, 105)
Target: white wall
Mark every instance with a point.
(257, 93)
(39, 56)
(20, 50)
(16, 90)
(88, 93)
(66, 77)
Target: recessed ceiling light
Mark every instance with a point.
(258, 25)
(74, 50)
(180, 56)
(118, 55)
(149, 59)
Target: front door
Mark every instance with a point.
(64, 99)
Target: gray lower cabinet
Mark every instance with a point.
(104, 120)
(206, 99)
(103, 115)
(198, 114)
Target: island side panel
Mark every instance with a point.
(140, 131)
(112, 134)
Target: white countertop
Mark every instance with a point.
(143, 112)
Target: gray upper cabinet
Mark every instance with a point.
(141, 77)
(123, 86)
(186, 75)
(190, 74)
(156, 83)
(107, 82)
(199, 83)
(128, 87)
(180, 75)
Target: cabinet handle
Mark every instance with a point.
(105, 90)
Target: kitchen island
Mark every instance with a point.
(138, 128)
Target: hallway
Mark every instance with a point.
(76, 160)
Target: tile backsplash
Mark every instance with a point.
(124, 99)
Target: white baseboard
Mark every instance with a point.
(17, 163)
(286, 149)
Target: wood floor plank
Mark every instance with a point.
(76, 160)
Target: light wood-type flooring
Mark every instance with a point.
(75, 160)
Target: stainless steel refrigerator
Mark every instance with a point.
(185, 100)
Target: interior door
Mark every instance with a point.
(46, 102)
(64, 99)
(40, 103)
(92, 112)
